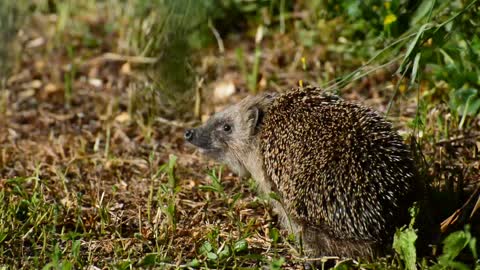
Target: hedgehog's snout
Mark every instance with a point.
(198, 137)
(193, 136)
(188, 135)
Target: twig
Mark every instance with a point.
(173, 122)
(457, 139)
(125, 58)
(359, 73)
(172, 265)
(221, 48)
(324, 258)
(198, 99)
(452, 219)
(475, 208)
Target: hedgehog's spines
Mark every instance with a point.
(344, 176)
(340, 165)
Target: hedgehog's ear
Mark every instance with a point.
(255, 116)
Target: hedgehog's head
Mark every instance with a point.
(229, 136)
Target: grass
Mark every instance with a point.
(8, 26)
(93, 168)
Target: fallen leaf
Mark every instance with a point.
(50, 88)
(126, 68)
(36, 42)
(95, 82)
(223, 90)
(26, 94)
(123, 117)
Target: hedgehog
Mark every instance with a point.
(343, 176)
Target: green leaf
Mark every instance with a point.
(453, 245)
(224, 253)
(235, 198)
(275, 196)
(149, 259)
(172, 160)
(465, 101)
(447, 58)
(274, 234)
(353, 9)
(473, 106)
(412, 46)
(458, 266)
(404, 245)
(413, 211)
(277, 263)
(3, 236)
(66, 265)
(48, 266)
(416, 63)
(345, 265)
(476, 45)
(216, 185)
(123, 265)
(194, 263)
(473, 247)
(208, 188)
(72, 235)
(423, 9)
(240, 245)
(212, 256)
(76, 245)
(206, 247)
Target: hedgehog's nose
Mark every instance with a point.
(188, 134)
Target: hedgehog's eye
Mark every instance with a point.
(227, 128)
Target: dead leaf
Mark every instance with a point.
(50, 88)
(126, 68)
(36, 43)
(223, 90)
(26, 94)
(123, 117)
(95, 82)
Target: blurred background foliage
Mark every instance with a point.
(10, 14)
(169, 34)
